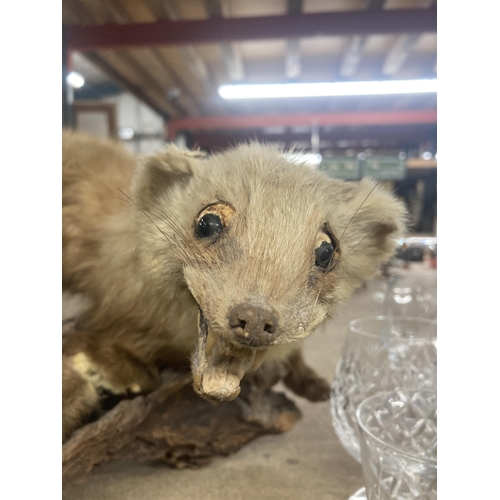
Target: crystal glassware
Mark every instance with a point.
(381, 353)
(396, 297)
(398, 433)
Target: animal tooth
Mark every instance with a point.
(210, 342)
(259, 357)
(234, 395)
(197, 381)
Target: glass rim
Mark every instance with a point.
(427, 461)
(354, 328)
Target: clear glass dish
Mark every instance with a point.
(381, 353)
(399, 445)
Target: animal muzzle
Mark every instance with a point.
(253, 325)
(222, 358)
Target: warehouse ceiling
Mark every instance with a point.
(180, 79)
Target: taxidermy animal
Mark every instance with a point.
(218, 263)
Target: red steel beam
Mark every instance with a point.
(387, 136)
(354, 118)
(215, 30)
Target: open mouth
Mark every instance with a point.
(218, 365)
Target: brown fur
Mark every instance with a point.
(129, 247)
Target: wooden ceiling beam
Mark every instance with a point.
(150, 75)
(164, 10)
(293, 65)
(352, 56)
(187, 70)
(357, 118)
(403, 47)
(122, 67)
(114, 68)
(233, 60)
(153, 65)
(399, 53)
(226, 30)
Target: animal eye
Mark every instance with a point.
(327, 250)
(324, 254)
(208, 225)
(213, 219)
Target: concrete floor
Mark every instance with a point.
(306, 463)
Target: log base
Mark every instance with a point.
(176, 426)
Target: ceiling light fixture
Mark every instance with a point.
(309, 159)
(327, 89)
(75, 79)
(126, 133)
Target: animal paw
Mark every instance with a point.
(315, 389)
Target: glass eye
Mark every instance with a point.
(208, 225)
(324, 255)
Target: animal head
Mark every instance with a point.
(267, 246)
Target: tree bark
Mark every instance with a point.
(176, 426)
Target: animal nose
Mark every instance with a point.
(257, 323)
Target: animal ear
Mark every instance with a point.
(163, 170)
(370, 221)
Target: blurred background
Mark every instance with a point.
(148, 83)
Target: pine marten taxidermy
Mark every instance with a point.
(219, 263)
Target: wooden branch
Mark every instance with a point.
(175, 425)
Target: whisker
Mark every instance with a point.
(171, 226)
(144, 212)
(156, 235)
(316, 301)
(174, 221)
(167, 238)
(355, 213)
(359, 242)
(350, 237)
(167, 221)
(338, 300)
(350, 277)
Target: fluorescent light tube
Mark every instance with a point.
(75, 79)
(309, 159)
(327, 89)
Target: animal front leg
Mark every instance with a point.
(304, 381)
(80, 400)
(97, 375)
